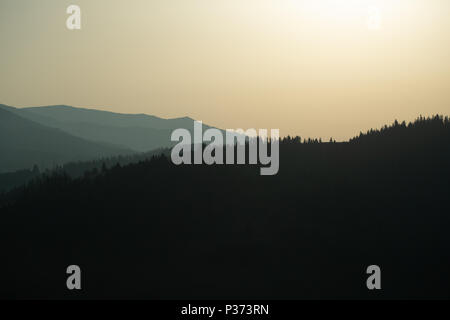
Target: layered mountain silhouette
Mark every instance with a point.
(153, 230)
(24, 143)
(54, 135)
(138, 132)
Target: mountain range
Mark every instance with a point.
(53, 135)
(154, 230)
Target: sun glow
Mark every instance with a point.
(367, 13)
(342, 8)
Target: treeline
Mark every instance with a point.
(413, 132)
(421, 129)
(20, 178)
(417, 129)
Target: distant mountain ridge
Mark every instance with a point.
(138, 132)
(25, 143)
(107, 118)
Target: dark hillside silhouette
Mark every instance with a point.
(156, 230)
(76, 169)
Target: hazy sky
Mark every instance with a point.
(310, 67)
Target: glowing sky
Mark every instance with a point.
(315, 68)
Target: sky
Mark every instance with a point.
(314, 68)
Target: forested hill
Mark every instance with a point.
(75, 169)
(156, 230)
(421, 130)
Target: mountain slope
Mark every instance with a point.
(224, 232)
(138, 132)
(24, 143)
